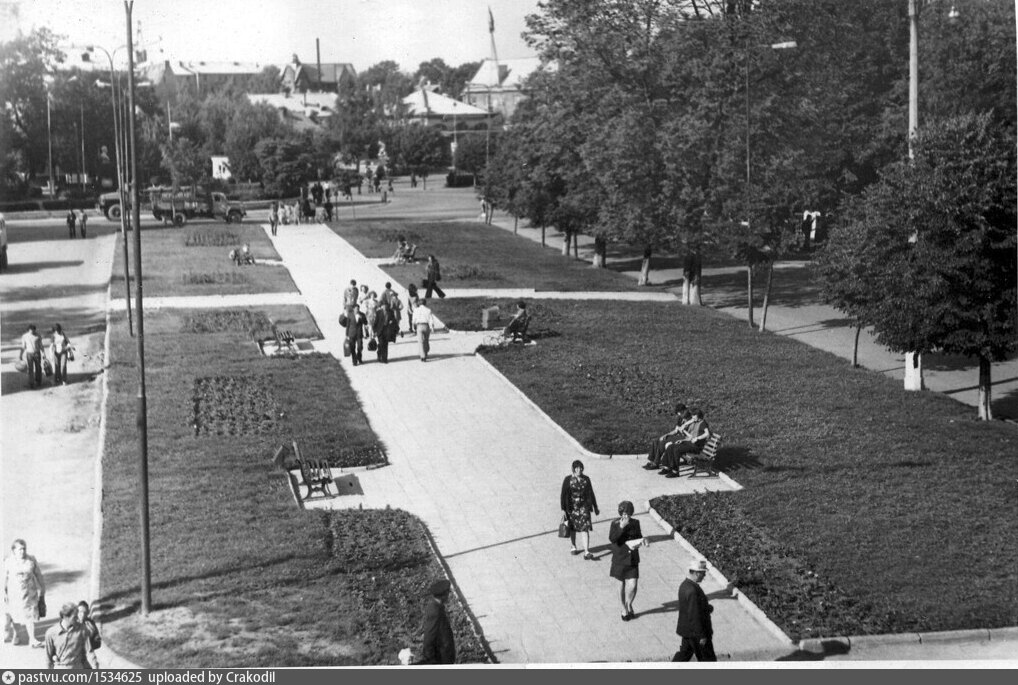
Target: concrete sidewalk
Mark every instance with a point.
(483, 467)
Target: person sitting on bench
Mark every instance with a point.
(517, 326)
(698, 434)
(683, 418)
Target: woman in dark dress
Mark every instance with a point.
(625, 560)
(577, 501)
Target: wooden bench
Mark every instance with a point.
(315, 475)
(284, 340)
(703, 461)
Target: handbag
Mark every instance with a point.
(347, 347)
(372, 345)
(47, 368)
(343, 321)
(21, 366)
(42, 606)
(565, 529)
(70, 354)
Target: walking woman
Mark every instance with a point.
(577, 501)
(432, 276)
(61, 349)
(380, 327)
(625, 556)
(23, 588)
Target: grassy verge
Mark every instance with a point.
(194, 260)
(241, 576)
(899, 501)
(474, 255)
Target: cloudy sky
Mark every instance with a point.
(363, 32)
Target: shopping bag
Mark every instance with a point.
(47, 368)
(564, 529)
(346, 348)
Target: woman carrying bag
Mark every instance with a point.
(626, 537)
(577, 501)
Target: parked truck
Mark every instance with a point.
(192, 202)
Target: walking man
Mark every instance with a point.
(67, 642)
(274, 217)
(432, 277)
(694, 625)
(82, 220)
(439, 646)
(71, 222)
(424, 321)
(31, 352)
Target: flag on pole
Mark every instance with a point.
(491, 22)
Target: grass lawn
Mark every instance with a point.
(194, 260)
(473, 255)
(900, 504)
(242, 576)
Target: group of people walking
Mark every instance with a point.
(71, 642)
(79, 220)
(670, 451)
(625, 538)
(368, 316)
(36, 361)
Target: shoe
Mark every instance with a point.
(664, 470)
(631, 615)
(650, 467)
(588, 556)
(626, 617)
(36, 645)
(575, 551)
(674, 474)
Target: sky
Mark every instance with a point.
(362, 32)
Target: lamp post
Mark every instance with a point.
(142, 409)
(119, 152)
(786, 45)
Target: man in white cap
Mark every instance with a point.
(438, 647)
(694, 626)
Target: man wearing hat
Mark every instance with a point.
(438, 647)
(694, 625)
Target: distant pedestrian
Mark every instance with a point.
(31, 352)
(411, 300)
(274, 217)
(432, 275)
(328, 208)
(578, 501)
(355, 323)
(82, 221)
(389, 295)
(71, 223)
(350, 296)
(439, 646)
(24, 590)
(67, 643)
(3, 242)
(694, 624)
(425, 324)
(413, 179)
(95, 640)
(60, 347)
(381, 330)
(626, 537)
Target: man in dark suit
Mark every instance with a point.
(438, 647)
(694, 626)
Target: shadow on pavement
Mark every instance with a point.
(830, 648)
(33, 267)
(790, 288)
(50, 292)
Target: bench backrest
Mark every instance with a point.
(710, 450)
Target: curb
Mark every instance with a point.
(975, 635)
(744, 601)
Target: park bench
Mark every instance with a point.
(284, 340)
(315, 474)
(703, 461)
(518, 330)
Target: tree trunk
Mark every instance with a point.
(600, 252)
(749, 291)
(914, 371)
(566, 243)
(576, 245)
(645, 266)
(985, 409)
(542, 236)
(516, 224)
(855, 347)
(767, 296)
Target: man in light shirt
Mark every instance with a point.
(424, 321)
(31, 352)
(67, 644)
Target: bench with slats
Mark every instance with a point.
(703, 461)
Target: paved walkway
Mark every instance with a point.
(50, 436)
(482, 466)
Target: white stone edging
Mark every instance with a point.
(746, 603)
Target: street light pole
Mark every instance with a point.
(120, 152)
(142, 409)
(913, 360)
(49, 140)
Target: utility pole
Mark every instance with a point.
(142, 410)
(913, 360)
